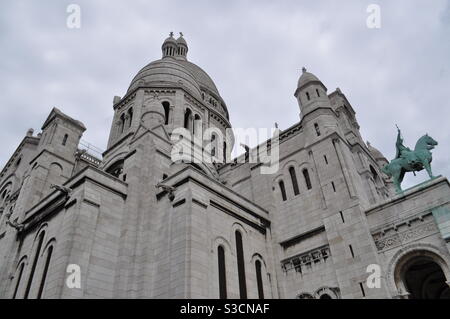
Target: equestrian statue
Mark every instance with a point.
(407, 160)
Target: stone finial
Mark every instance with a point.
(181, 34)
(303, 70)
(276, 125)
(338, 90)
(171, 34)
(116, 99)
(30, 132)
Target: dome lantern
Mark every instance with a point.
(169, 47)
(182, 47)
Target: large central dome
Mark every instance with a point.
(173, 69)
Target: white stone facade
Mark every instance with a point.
(215, 230)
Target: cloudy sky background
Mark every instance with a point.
(253, 50)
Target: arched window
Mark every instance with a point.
(116, 169)
(241, 265)
(64, 141)
(325, 296)
(33, 266)
(187, 120)
(294, 180)
(224, 152)
(307, 179)
(222, 273)
(197, 125)
(316, 127)
(259, 280)
(130, 116)
(166, 107)
(122, 123)
(307, 96)
(282, 190)
(213, 145)
(374, 173)
(44, 274)
(19, 279)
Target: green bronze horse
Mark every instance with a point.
(410, 161)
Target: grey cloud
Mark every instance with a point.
(254, 51)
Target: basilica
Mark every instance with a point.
(133, 222)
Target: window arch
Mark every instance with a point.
(122, 123)
(224, 152)
(241, 265)
(130, 116)
(259, 280)
(116, 169)
(294, 180)
(197, 128)
(222, 273)
(166, 107)
(35, 260)
(44, 274)
(307, 178)
(316, 127)
(64, 141)
(282, 190)
(374, 173)
(188, 120)
(19, 278)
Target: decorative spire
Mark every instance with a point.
(171, 34)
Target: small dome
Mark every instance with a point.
(170, 39)
(181, 40)
(306, 78)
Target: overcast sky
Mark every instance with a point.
(254, 52)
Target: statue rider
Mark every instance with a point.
(401, 149)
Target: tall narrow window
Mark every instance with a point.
(33, 266)
(166, 107)
(351, 251)
(122, 123)
(334, 187)
(19, 279)
(307, 179)
(187, 120)
(222, 273)
(316, 127)
(326, 159)
(241, 266)
(361, 286)
(44, 274)
(64, 142)
(294, 181)
(307, 96)
(342, 216)
(282, 190)
(259, 280)
(224, 152)
(317, 91)
(130, 116)
(213, 145)
(197, 125)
